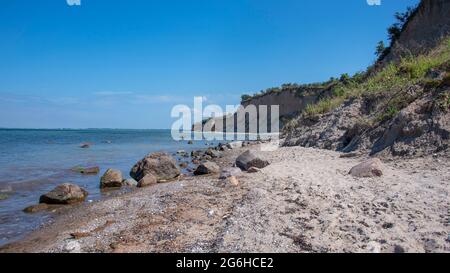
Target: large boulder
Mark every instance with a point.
(228, 172)
(370, 168)
(161, 165)
(207, 168)
(248, 159)
(111, 179)
(64, 194)
(147, 180)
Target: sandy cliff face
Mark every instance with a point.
(424, 30)
(291, 102)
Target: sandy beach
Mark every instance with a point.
(304, 201)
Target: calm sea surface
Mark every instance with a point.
(32, 162)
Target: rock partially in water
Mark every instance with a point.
(4, 196)
(86, 171)
(111, 179)
(36, 208)
(161, 165)
(207, 168)
(247, 160)
(85, 145)
(147, 180)
(184, 165)
(370, 168)
(64, 194)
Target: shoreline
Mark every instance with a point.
(304, 201)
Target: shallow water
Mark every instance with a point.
(33, 162)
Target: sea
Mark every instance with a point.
(33, 162)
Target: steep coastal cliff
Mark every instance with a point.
(398, 107)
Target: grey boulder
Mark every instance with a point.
(64, 194)
(248, 159)
(161, 165)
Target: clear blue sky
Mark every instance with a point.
(125, 63)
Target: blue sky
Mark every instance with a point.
(125, 63)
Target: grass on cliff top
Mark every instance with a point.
(410, 70)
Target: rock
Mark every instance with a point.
(87, 171)
(207, 157)
(72, 247)
(64, 194)
(184, 165)
(399, 249)
(253, 170)
(111, 179)
(233, 181)
(195, 161)
(130, 182)
(373, 247)
(213, 153)
(6, 189)
(234, 145)
(227, 172)
(147, 180)
(370, 168)
(161, 165)
(85, 145)
(196, 153)
(207, 168)
(349, 155)
(247, 160)
(190, 142)
(36, 208)
(181, 152)
(4, 196)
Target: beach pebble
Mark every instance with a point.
(233, 181)
(234, 145)
(227, 172)
(72, 247)
(253, 170)
(373, 247)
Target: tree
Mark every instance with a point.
(245, 97)
(381, 49)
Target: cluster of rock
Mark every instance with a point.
(152, 169)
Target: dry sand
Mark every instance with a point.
(305, 201)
